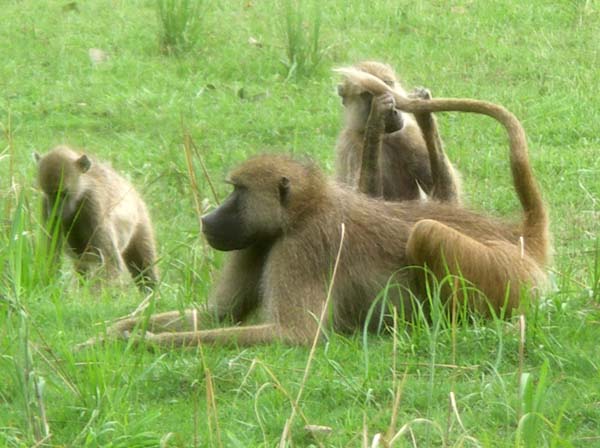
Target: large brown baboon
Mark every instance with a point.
(99, 213)
(282, 226)
(385, 152)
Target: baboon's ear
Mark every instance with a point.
(340, 90)
(36, 157)
(284, 190)
(84, 163)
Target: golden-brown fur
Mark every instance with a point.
(384, 152)
(99, 214)
(282, 226)
(535, 224)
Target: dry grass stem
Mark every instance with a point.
(454, 408)
(205, 171)
(192, 177)
(397, 399)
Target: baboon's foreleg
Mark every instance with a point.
(244, 336)
(140, 258)
(497, 270)
(170, 321)
(188, 320)
(445, 181)
(235, 296)
(104, 241)
(370, 181)
(237, 291)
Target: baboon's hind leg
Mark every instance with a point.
(495, 270)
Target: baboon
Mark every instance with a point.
(100, 215)
(385, 152)
(282, 227)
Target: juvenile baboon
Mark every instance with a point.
(385, 152)
(282, 226)
(99, 213)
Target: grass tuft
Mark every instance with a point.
(532, 396)
(180, 24)
(302, 29)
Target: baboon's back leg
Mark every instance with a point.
(497, 271)
(445, 182)
(140, 258)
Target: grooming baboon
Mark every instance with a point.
(282, 224)
(385, 152)
(99, 213)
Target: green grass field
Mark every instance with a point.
(230, 85)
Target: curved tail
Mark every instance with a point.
(535, 225)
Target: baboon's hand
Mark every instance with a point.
(420, 93)
(139, 339)
(102, 339)
(384, 108)
(383, 105)
(96, 340)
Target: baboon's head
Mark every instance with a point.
(357, 98)
(59, 175)
(270, 194)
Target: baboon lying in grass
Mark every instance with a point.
(388, 153)
(100, 215)
(282, 228)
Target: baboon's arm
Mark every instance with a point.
(104, 239)
(370, 181)
(170, 321)
(250, 335)
(445, 184)
(236, 293)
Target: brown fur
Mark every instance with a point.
(384, 152)
(99, 213)
(283, 222)
(535, 226)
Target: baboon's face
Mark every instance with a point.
(59, 177)
(357, 107)
(254, 212)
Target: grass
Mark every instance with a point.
(303, 50)
(179, 22)
(489, 383)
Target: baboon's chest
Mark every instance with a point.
(79, 230)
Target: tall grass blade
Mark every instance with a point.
(179, 22)
(302, 37)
